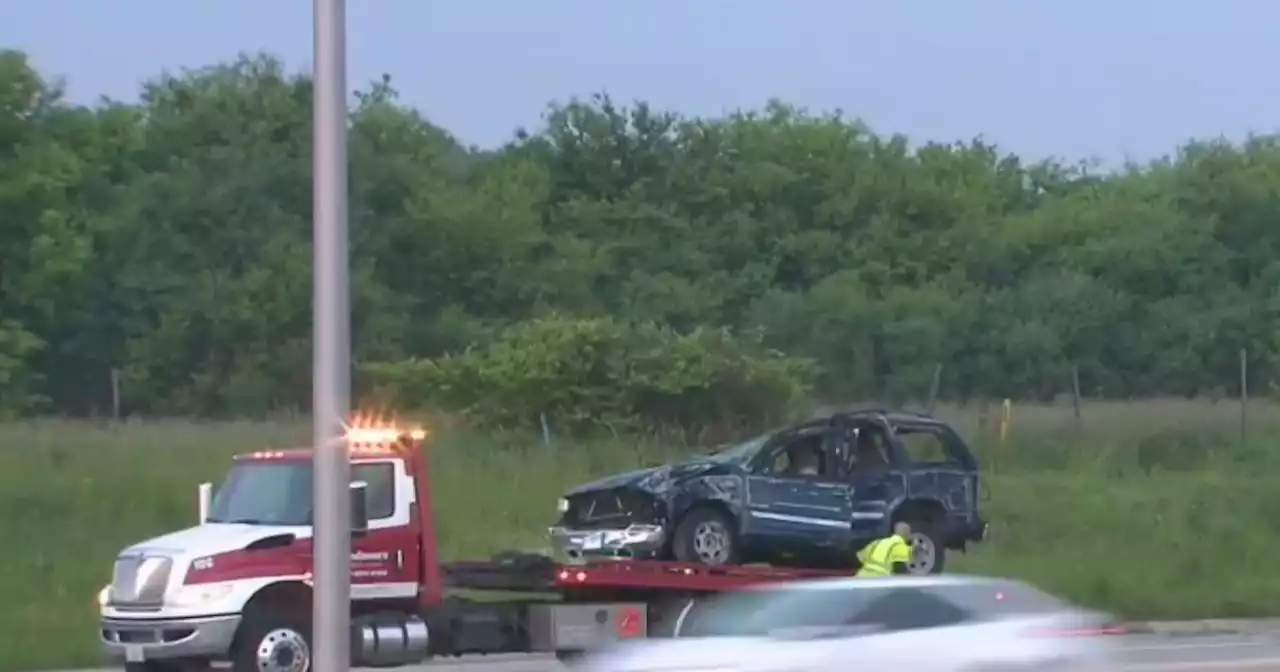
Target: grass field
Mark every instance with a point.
(1147, 509)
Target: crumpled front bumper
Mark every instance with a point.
(634, 541)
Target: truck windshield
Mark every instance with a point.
(264, 493)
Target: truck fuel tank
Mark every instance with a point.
(388, 640)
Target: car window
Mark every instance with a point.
(910, 609)
(758, 612)
(780, 463)
(798, 456)
(921, 445)
(744, 450)
(381, 491)
(868, 451)
(891, 608)
(996, 599)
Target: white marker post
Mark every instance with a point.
(331, 645)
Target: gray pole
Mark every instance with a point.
(330, 400)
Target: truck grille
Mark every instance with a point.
(140, 580)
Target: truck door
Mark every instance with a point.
(384, 561)
(795, 511)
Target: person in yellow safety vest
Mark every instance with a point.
(879, 557)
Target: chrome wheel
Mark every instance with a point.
(284, 650)
(711, 542)
(923, 554)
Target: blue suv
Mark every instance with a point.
(809, 495)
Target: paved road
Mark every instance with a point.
(1220, 653)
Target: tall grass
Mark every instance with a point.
(1148, 509)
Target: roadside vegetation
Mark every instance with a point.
(614, 287)
(1114, 516)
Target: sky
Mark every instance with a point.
(1102, 80)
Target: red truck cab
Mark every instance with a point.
(237, 586)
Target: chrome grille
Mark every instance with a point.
(140, 579)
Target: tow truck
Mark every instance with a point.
(237, 587)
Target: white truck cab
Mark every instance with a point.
(237, 585)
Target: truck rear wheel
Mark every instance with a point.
(270, 641)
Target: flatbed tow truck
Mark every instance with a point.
(237, 587)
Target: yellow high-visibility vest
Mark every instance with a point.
(879, 556)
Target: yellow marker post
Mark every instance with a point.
(1006, 419)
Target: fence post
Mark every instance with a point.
(1244, 395)
(934, 386)
(546, 428)
(115, 394)
(1075, 395)
(1006, 419)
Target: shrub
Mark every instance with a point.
(602, 372)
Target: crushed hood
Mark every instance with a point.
(212, 538)
(652, 479)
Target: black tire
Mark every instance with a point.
(706, 536)
(926, 534)
(571, 659)
(665, 614)
(264, 628)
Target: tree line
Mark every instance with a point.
(168, 240)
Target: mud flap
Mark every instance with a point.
(562, 628)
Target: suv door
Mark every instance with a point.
(797, 513)
(874, 484)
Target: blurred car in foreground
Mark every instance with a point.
(949, 622)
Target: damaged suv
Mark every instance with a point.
(809, 495)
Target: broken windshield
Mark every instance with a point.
(741, 451)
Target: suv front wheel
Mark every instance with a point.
(707, 536)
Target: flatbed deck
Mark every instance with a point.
(541, 574)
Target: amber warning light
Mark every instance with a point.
(364, 434)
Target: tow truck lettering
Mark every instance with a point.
(370, 556)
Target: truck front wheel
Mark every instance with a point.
(270, 641)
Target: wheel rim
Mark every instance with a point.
(711, 542)
(923, 554)
(284, 650)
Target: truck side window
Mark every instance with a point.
(381, 477)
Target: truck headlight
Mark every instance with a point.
(562, 506)
(104, 595)
(195, 596)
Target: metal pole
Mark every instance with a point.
(330, 401)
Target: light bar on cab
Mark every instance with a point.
(383, 434)
(371, 434)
